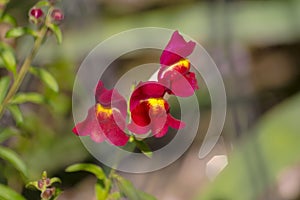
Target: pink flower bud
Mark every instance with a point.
(57, 15)
(48, 193)
(40, 184)
(47, 181)
(36, 12)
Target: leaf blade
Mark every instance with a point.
(14, 159)
(28, 97)
(92, 168)
(46, 77)
(57, 32)
(16, 113)
(4, 83)
(7, 193)
(9, 60)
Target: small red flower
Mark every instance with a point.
(175, 68)
(150, 112)
(105, 120)
(36, 12)
(57, 15)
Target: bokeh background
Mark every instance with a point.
(255, 44)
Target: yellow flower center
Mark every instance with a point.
(185, 63)
(100, 110)
(156, 104)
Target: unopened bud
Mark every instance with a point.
(48, 193)
(57, 15)
(36, 12)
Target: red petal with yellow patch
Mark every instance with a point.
(105, 120)
(112, 124)
(90, 126)
(176, 49)
(175, 72)
(150, 112)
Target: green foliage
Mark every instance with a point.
(103, 184)
(114, 196)
(6, 18)
(7, 133)
(7, 193)
(254, 165)
(94, 169)
(102, 188)
(4, 83)
(43, 3)
(145, 149)
(8, 58)
(31, 97)
(12, 158)
(16, 113)
(20, 31)
(57, 32)
(128, 190)
(46, 77)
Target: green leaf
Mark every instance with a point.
(32, 185)
(9, 60)
(9, 19)
(46, 77)
(58, 192)
(7, 133)
(145, 149)
(20, 31)
(16, 113)
(14, 159)
(101, 189)
(145, 196)
(42, 3)
(57, 32)
(94, 169)
(4, 83)
(114, 196)
(126, 188)
(28, 97)
(55, 180)
(7, 193)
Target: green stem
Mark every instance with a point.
(23, 70)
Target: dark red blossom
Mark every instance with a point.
(36, 12)
(105, 120)
(150, 112)
(57, 15)
(175, 68)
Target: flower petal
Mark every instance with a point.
(140, 114)
(176, 49)
(162, 132)
(146, 90)
(90, 126)
(112, 124)
(134, 128)
(175, 123)
(117, 137)
(183, 85)
(110, 98)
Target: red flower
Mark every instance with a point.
(36, 12)
(175, 68)
(150, 112)
(105, 120)
(57, 15)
